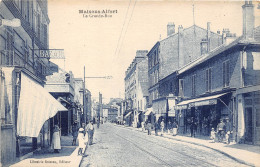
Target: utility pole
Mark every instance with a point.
(100, 107)
(84, 98)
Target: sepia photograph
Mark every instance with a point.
(130, 83)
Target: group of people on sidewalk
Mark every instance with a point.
(84, 135)
(222, 133)
(171, 128)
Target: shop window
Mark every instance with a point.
(181, 87)
(226, 73)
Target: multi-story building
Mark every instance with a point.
(172, 53)
(21, 65)
(224, 83)
(136, 80)
(61, 86)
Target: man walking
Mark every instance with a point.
(162, 127)
(149, 128)
(221, 130)
(90, 131)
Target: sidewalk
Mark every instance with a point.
(243, 153)
(68, 156)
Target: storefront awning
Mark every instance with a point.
(210, 100)
(36, 105)
(148, 111)
(127, 114)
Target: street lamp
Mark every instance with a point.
(11, 23)
(84, 90)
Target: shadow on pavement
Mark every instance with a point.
(246, 147)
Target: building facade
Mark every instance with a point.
(224, 84)
(136, 80)
(20, 56)
(172, 53)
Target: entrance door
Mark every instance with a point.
(249, 125)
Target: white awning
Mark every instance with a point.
(210, 100)
(36, 105)
(148, 111)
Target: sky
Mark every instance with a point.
(107, 46)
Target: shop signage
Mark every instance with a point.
(206, 102)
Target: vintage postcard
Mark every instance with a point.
(130, 83)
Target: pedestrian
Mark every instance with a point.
(56, 139)
(174, 128)
(212, 135)
(74, 133)
(156, 128)
(169, 127)
(228, 129)
(149, 128)
(162, 127)
(90, 131)
(221, 130)
(81, 141)
(142, 124)
(192, 127)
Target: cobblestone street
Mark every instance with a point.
(118, 146)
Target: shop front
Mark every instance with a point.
(248, 114)
(205, 113)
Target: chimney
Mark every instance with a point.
(228, 37)
(248, 19)
(208, 36)
(170, 29)
(180, 46)
(204, 46)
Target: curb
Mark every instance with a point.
(217, 150)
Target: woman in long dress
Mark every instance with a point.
(56, 139)
(81, 140)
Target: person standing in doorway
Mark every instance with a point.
(56, 139)
(90, 131)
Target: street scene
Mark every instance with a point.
(129, 83)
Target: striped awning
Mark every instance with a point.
(36, 105)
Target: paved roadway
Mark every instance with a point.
(120, 146)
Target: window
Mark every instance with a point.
(181, 87)
(38, 25)
(26, 52)
(9, 47)
(193, 85)
(226, 73)
(208, 79)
